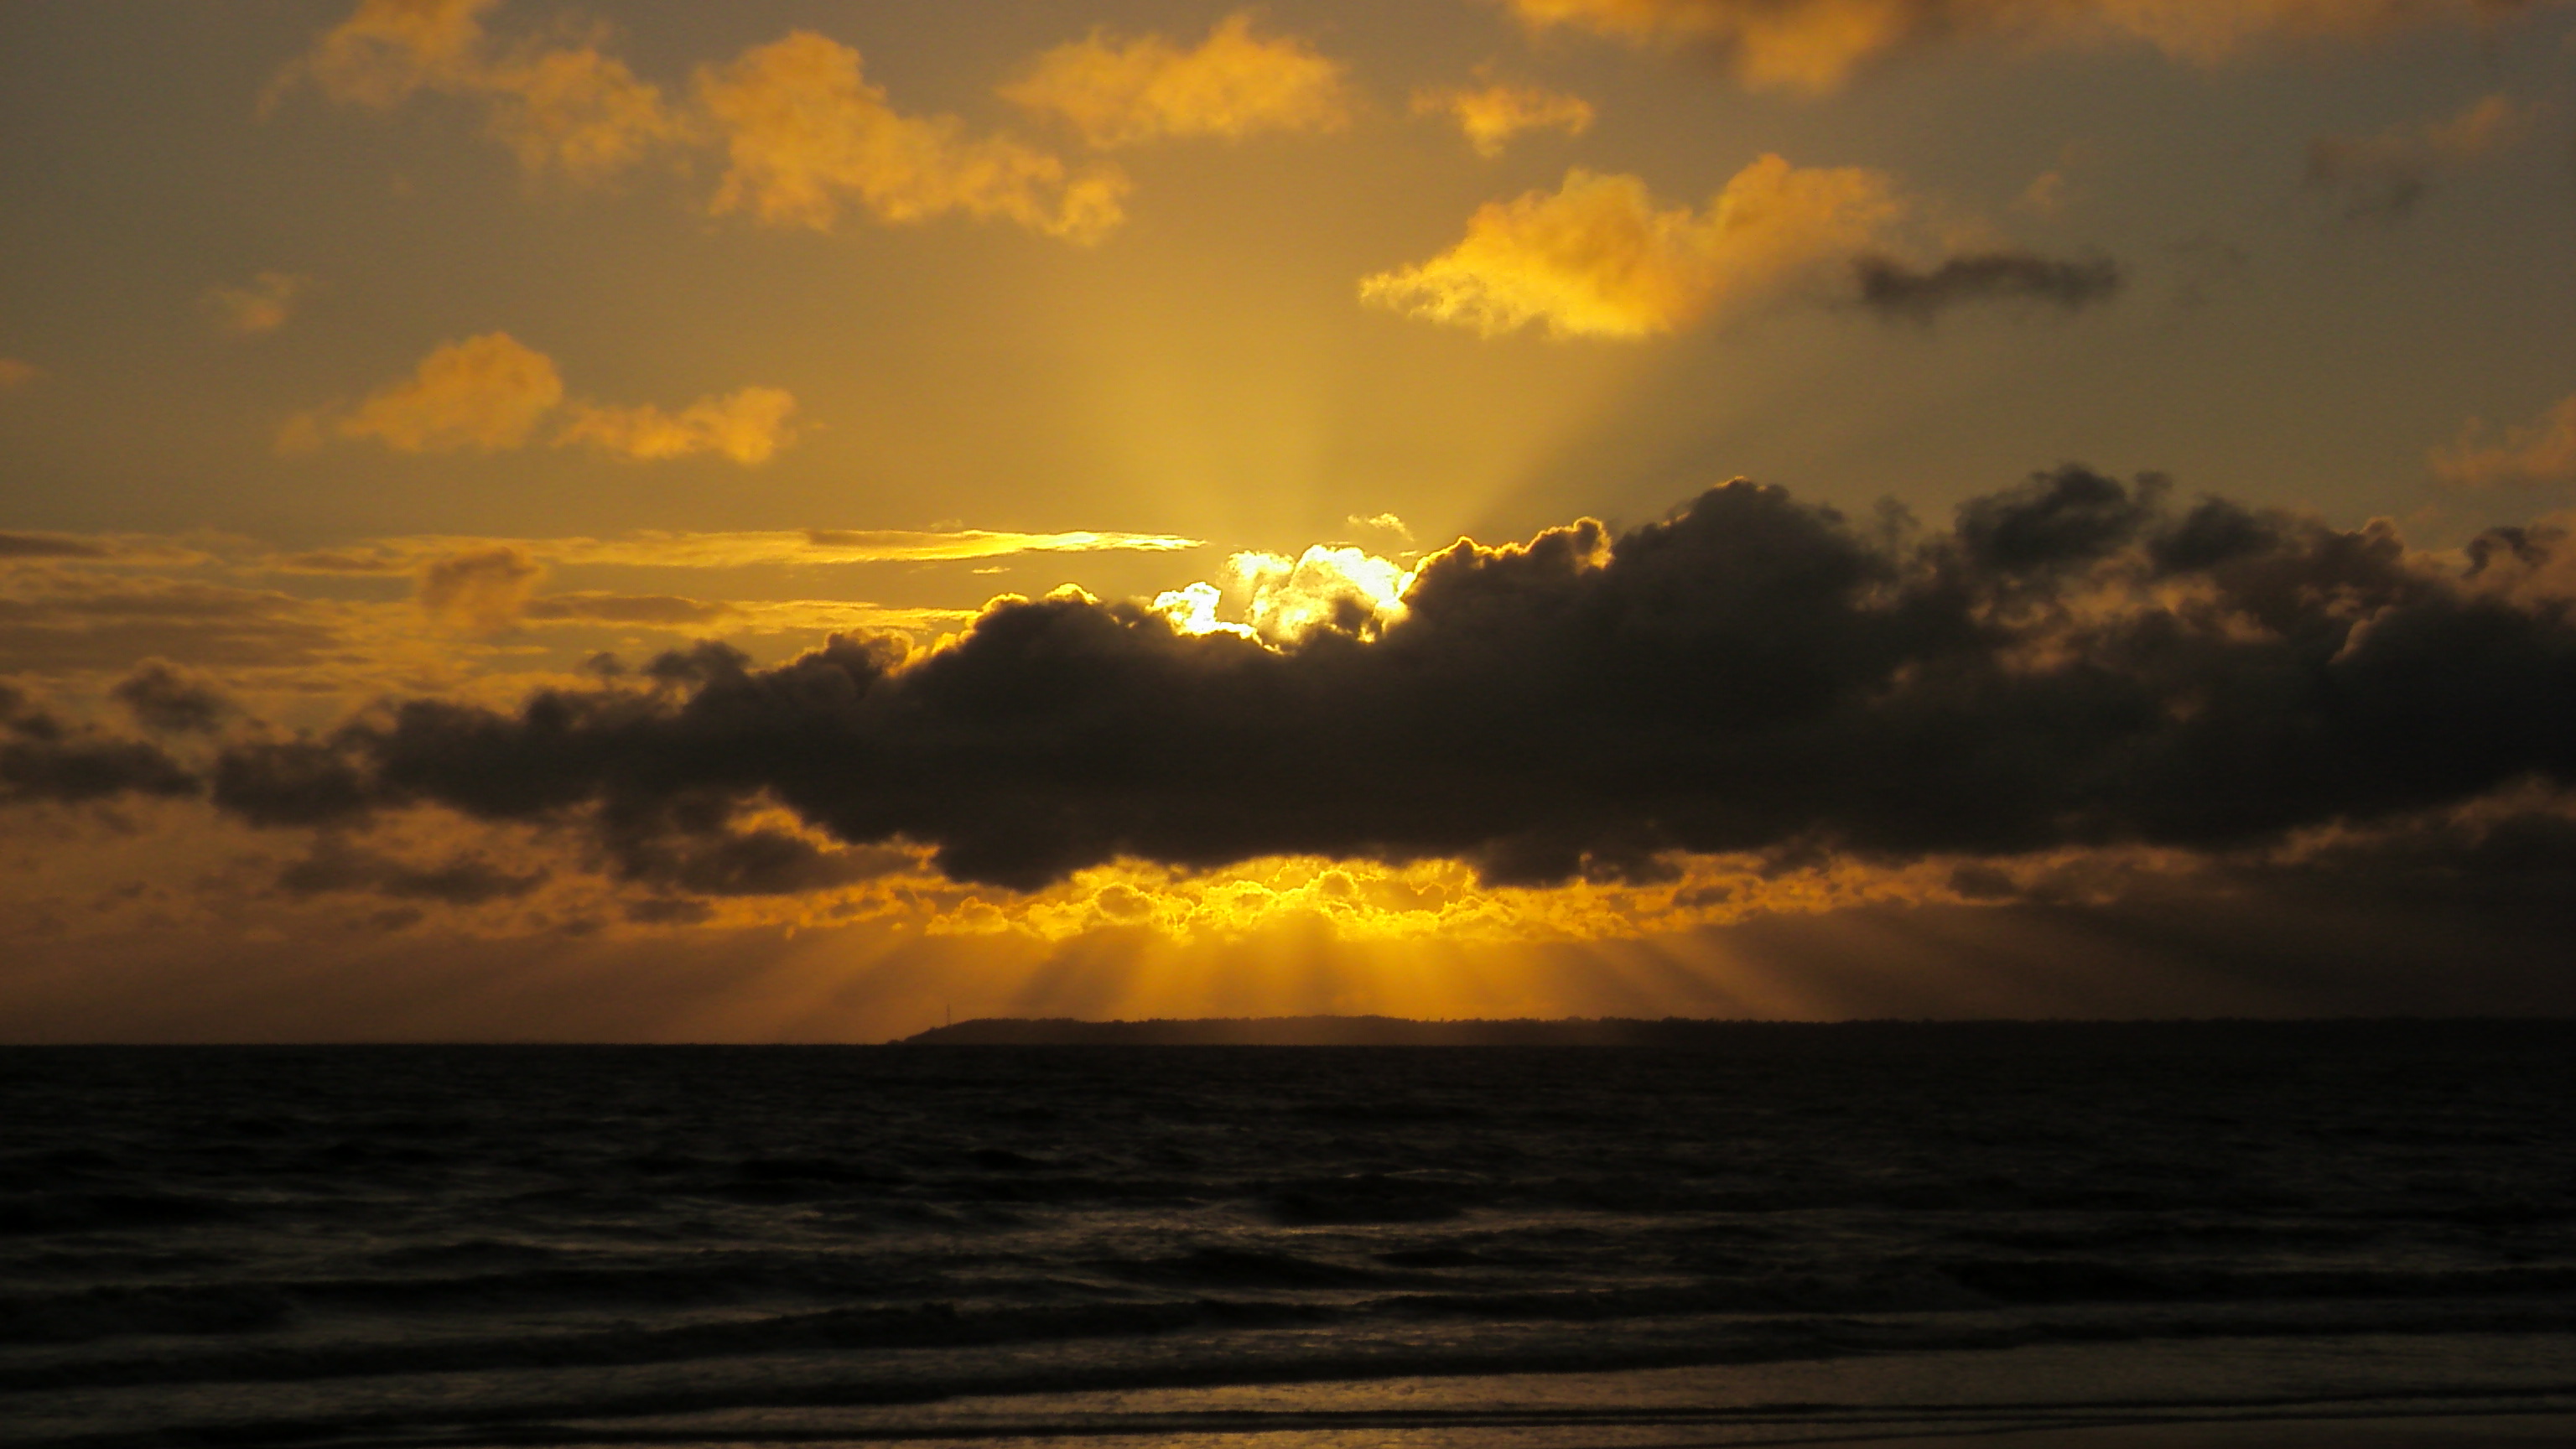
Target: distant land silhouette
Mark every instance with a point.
(1800, 1037)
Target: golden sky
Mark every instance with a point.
(776, 520)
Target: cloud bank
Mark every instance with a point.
(2075, 663)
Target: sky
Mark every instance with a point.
(794, 520)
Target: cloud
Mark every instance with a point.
(2540, 452)
(258, 308)
(52, 546)
(480, 591)
(334, 865)
(563, 106)
(722, 550)
(168, 700)
(491, 394)
(746, 426)
(1490, 117)
(43, 759)
(804, 133)
(2074, 664)
(1599, 258)
(1147, 89)
(15, 373)
(1892, 289)
(2382, 177)
(1816, 45)
(84, 618)
(486, 393)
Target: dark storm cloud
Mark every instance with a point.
(1893, 289)
(164, 699)
(44, 759)
(2075, 662)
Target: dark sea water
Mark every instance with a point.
(1490, 1245)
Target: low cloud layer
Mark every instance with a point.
(1816, 45)
(2073, 664)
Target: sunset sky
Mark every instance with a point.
(776, 521)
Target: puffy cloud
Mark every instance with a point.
(1146, 89)
(481, 591)
(486, 393)
(574, 109)
(2074, 664)
(1491, 116)
(44, 759)
(1815, 45)
(167, 700)
(804, 132)
(1599, 257)
(16, 373)
(2542, 451)
(2383, 176)
(559, 106)
(1894, 289)
(746, 426)
(491, 393)
(257, 308)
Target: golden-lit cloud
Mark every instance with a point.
(491, 393)
(746, 426)
(486, 393)
(1491, 116)
(2383, 176)
(1280, 601)
(257, 307)
(560, 105)
(1600, 258)
(805, 133)
(388, 49)
(1119, 93)
(1815, 45)
(2542, 451)
(16, 373)
(574, 109)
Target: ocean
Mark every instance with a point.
(1817, 1238)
